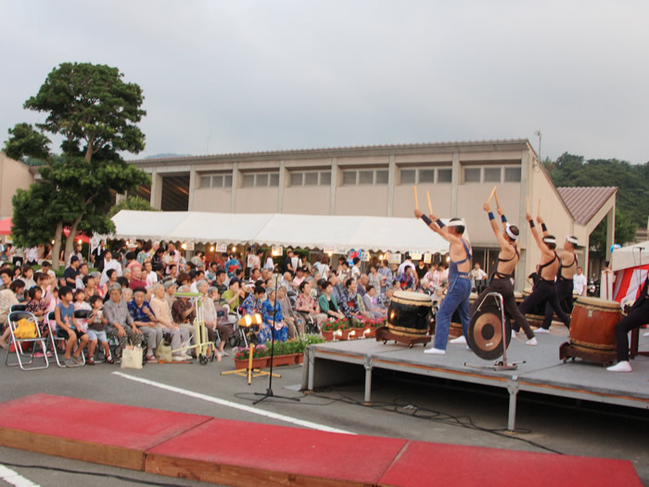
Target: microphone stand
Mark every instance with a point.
(269, 391)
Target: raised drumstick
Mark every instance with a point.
(527, 204)
(493, 191)
(430, 206)
(414, 189)
(497, 202)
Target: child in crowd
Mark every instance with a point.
(96, 331)
(36, 306)
(81, 304)
(54, 301)
(68, 328)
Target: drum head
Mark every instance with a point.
(485, 333)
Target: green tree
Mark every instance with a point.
(95, 113)
(632, 181)
(131, 203)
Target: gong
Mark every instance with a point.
(486, 332)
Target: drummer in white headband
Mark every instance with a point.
(564, 285)
(545, 291)
(502, 281)
(459, 283)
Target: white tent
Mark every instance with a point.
(306, 231)
(630, 256)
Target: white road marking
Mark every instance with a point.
(14, 478)
(230, 404)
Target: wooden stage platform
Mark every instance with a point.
(208, 449)
(334, 363)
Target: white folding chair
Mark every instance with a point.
(24, 357)
(51, 324)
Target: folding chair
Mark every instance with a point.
(51, 324)
(25, 358)
(18, 307)
(310, 326)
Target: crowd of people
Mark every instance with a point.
(129, 292)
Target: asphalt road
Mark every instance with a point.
(404, 407)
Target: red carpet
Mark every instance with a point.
(237, 453)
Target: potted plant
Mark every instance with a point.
(283, 353)
(302, 343)
(339, 328)
(259, 357)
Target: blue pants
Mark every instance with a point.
(457, 298)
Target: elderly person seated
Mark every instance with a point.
(162, 311)
(294, 321)
(384, 299)
(273, 319)
(351, 302)
(327, 302)
(145, 320)
(119, 322)
(363, 282)
(183, 311)
(211, 319)
(371, 304)
(307, 304)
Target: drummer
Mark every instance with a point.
(638, 316)
(504, 275)
(459, 283)
(564, 285)
(545, 290)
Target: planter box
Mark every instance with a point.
(257, 363)
(329, 335)
(279, 360)
(299, 358)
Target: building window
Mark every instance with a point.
(310, 178)
(216, 180)
(444, 176)
(365, 177)
(426, 175)
(472, 174)
(512, 174)
(492, 174)
(260, 180)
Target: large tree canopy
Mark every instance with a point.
(632, 201)
(95, 112)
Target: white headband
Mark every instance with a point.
(456, 223)
(509, 232)
(549, 240)
(572, 240)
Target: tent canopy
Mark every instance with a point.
(306, 231)
(630, 256)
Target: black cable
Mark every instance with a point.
(95, 474)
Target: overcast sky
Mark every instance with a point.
(243, 76)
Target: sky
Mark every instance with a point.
(243, 76)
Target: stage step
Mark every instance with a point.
(249, 454)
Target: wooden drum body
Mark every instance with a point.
(408, 314)
(592, 325)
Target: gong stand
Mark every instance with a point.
(498, 364)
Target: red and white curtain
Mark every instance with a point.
(628, 283)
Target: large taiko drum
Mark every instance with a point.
(455, 330)
(592, 325)
(408, 314)
(536, 315)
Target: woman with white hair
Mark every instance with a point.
(212, 320)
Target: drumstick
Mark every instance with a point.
(497, 202)
(430, 207)
(414, 188)
(491, 195)
(527, 205)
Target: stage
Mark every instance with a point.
(543, 372)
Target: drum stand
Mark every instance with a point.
(498, 364)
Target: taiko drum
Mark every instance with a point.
(592, 325)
